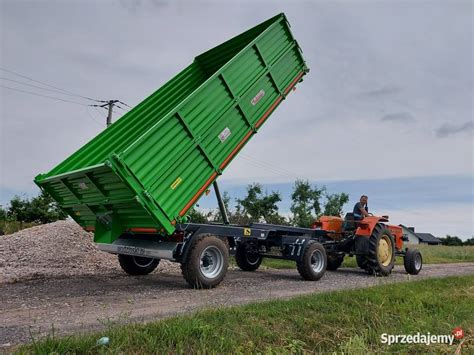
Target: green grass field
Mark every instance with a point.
(432, 254)
(343, 321)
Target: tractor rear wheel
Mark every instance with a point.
(313, 262)
(137, 265)
(362, 261)
(381, 256)
(413, 261)
(246, 260)
(334, 262)
(207, 262)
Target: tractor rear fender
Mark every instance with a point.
(367, 225)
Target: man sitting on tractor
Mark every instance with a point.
(361, 209)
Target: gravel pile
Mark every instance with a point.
(61, 248)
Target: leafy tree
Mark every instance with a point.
(196, 216)
(469, 241)
(258, 205)
(451, 240)
(18, 210)
(217, 217)
(306, 205)
(3, 213)
(40, 209)
(335, 203)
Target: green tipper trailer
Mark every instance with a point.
(144, 172)
(148, 168)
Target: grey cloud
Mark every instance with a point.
(448, 129)
(398, 117)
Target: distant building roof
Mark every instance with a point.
(428, 238)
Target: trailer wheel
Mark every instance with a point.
(246, 260)
(362, 261)
(381, 257)
(334, 262)
(413, 261)
(313, 263)
(206, 263)
(137, 265)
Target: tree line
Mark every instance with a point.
(456, 241)
(25, 212)
(308, 202)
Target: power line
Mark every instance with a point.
(268, 165)
(123, 103)
(100, 113)
(92, 117)
(49, 97)
(36, 86)
(122, 108)
(51, 86)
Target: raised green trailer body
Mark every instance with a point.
(146, 170)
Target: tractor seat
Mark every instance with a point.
(349, 222)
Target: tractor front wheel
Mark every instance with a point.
(381, 256)
(413, 261)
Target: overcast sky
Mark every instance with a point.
(390, 81)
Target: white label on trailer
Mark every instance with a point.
(257, 97)
(224, 134)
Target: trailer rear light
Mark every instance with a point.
(89, 229)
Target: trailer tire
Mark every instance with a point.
(207, 262)
(362, 261)
(381, 257)
(413, 261)
(137, 265)
(313, 263)
(245, 260)
(334, 262)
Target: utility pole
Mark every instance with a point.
(109, 105)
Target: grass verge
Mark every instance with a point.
(343, 321)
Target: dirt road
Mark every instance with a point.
(83, 303)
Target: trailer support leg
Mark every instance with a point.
(222, 209)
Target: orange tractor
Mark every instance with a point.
(374, 244)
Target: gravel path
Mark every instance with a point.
(83, 303)
(53, 275)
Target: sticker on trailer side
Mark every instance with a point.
(175, 184)
(224, 134)
(257, 97)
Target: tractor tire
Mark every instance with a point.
(245, 260)
(137, 265)
(362, 261)
(207, 262)
(334, 262)
(413, 261)
(381, 256)
(313, 263)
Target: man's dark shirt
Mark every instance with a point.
(357, 208)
